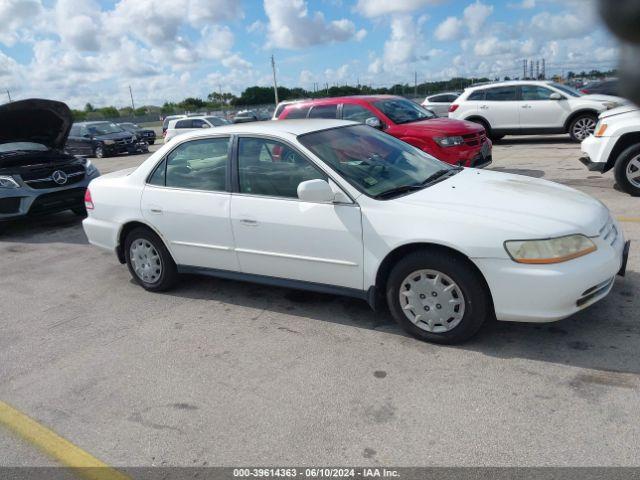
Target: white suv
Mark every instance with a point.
(616, 145)
(189, 124)
(532, 108)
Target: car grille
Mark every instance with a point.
(474, 139)
(58, 201)
(609, 232)
(41, 178)
(594, 293)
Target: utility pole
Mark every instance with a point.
(133, 107)
(275, 84)
(415, 84)
(9, 95)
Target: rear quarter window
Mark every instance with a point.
(477, 95)
(294, 112)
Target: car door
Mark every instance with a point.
(187, 201)
(356, 112)
(278, 235)
(539, 111)
(73, 145)
(500, 108)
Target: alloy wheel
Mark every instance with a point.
(584, 127)
(432, 301)
(633, 171)
(145, 260)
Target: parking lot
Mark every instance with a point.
(218, 372)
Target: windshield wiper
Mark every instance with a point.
(398, 191)
(440, 174)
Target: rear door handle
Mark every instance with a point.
(526, 106)
(155, 209)
(484, 107)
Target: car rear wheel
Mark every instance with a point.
(437, 297)
(627, 170)
(149, 261)
(582, 126)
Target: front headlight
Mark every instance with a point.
(91, 168)
(109, 142)
(8, 182)
(449, 141)
(552, 250)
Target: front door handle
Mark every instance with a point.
(526, 106)
(249, 222)
(484, 107)
(155, 209)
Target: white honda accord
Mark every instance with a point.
(343, 208)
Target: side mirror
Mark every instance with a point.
(374, 122)
(555, 96)
(317, 191)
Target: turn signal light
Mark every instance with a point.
(88, 202)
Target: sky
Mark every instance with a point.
(82, 51)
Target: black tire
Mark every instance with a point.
(578, 134)
(485, 125)
(496, 138)
(151, 142)
(98, 152)
(476, 297)
(169, 273)
(80, 211)
(623, 161)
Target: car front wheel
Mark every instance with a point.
(149, 261)
(98, 152)
(627, 170)
(582, 126)
(437, 297)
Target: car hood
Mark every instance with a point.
(442, 126)
(597, 97)
(620, 111)
(522, 204)
(35, 120)
(115, 136)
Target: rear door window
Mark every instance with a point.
(324, 111)
(501, 94)
(184, 124)
(297, 112)
(477, 95)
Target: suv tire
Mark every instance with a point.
(149, 261)
(582, 126)
(627, 170)
(437, 297)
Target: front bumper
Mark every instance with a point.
(594, 156)
(21, 202)
(546, 293)
(475, 156)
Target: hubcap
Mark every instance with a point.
(432, 301)
(99, 153)
(145, 261)
(633, 171)
(584, 127)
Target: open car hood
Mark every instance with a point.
(35, 120)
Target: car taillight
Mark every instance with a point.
(585, 91)
(88, 202)
(453, 108)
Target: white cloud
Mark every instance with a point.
(291, 26)
(449, 29)
(14, 15)
(402, 45)
(524, 4)
(377, 8)
(306, 77)
(565, 25)
(475, 15)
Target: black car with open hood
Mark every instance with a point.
(36, 174)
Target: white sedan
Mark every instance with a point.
(343, 208)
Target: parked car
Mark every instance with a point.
(343, 208)
(281, 105)
(146, 134)
(245, 116)
(616, 146)
(440, 103)
(100, 139)
(167, 119)
(36, 175)
(188, 124)
(531, 108)
(605, 87)
(452, 141)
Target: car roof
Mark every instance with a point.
(273, 127)
(96, 122)
(510, 83)
(345, 98)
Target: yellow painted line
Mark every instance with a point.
(629, 219)
(57, 447)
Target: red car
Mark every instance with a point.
(453, 141)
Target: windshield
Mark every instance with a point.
(400, 110)
(128, 126)
(103, 128)
(566, 89)
(372, 161)
(22, 147)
